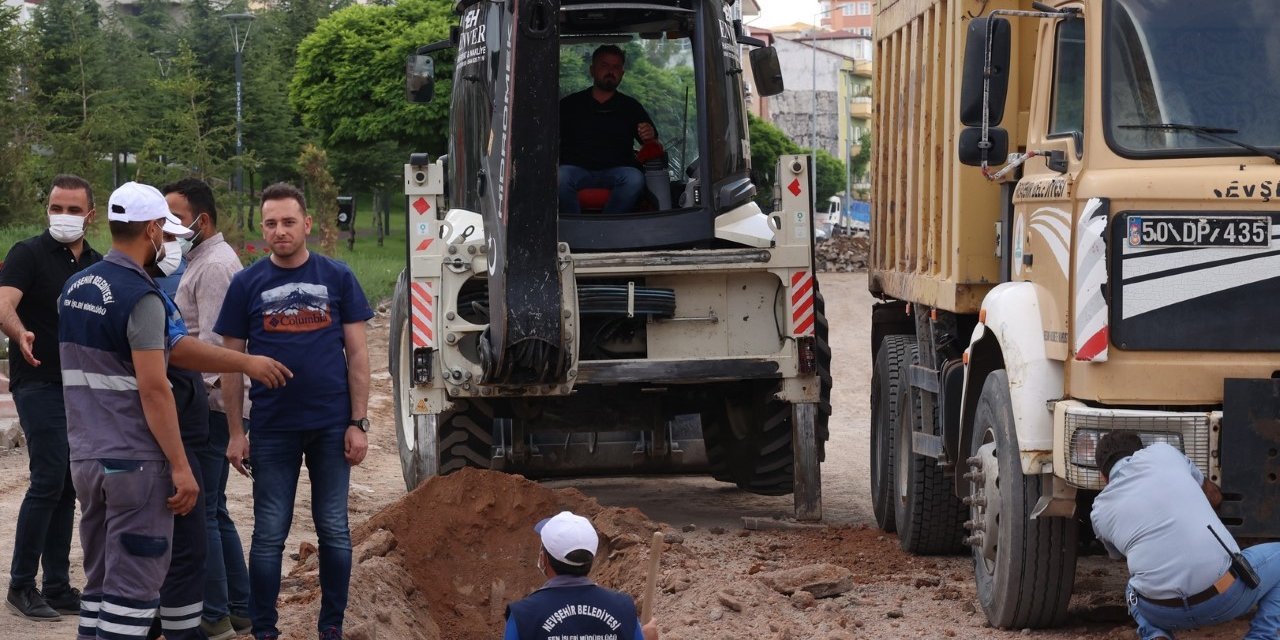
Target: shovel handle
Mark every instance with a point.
(651, 584)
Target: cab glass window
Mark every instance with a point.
(1066, 115)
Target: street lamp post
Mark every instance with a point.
(241, 23)
(813, 113)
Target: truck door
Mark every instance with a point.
(1045, 218)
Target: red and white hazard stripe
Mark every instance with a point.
(423, 313)
(802, 303)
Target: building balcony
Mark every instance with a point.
(863, 68)
(860, 107)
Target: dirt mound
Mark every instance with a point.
(444, 561)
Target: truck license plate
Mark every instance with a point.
(1182, 231)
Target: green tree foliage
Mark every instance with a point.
(70, 81)
(322, 193)
(19, 125)
(767, 143)
(831, 177)
(348, 83)
(187, 141)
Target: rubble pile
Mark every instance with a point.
(841, 253)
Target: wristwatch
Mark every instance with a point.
(362, 424)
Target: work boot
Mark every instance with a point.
(220, 630)
(242, 624)
(331, 633)
(66, 602)
(26, 602)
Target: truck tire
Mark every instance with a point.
(888, 379)
(927, 515)
(413, 467)
(1024, 568)
(749, 436)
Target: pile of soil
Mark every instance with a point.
(843, 253)
(444, 561)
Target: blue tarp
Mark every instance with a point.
(858, 211)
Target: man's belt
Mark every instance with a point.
(1220, 586)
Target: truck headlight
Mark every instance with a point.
(1084, 444)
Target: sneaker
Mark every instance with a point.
(331, 633)
(26, 602)
(220, 630)
(242, 624)
(66, 602)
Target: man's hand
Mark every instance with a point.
(269, 372)
(1212, 493)
(646, 133)
(26, 345)
(650, 630)
(185, 492)
(237, 451)
(355, 445)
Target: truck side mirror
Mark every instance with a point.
(766, 71)
(973, 153)
(984, 33)
(420, 78)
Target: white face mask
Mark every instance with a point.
(66, 227)
(185, 245)
(170, 257)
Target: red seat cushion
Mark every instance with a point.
(593, 199)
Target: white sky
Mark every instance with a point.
(779, 12)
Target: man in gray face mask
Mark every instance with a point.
(34, 273)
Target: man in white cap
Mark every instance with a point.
(127, 461)
(570, 605)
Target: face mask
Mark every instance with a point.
(65, 227)
(169, 258)
(190, 243)
(185, 245)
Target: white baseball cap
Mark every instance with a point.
(173, 225)
(565, 533)
(136, 202)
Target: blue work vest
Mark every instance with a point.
(99, 384)
(581, 610)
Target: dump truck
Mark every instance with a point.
(1073, 233)
(686, 336)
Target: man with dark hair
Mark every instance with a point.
(1155, 511)
(130, 471)
(570, 605)
(309, 312)
(34, 273)
(211, 263)
(598, 128)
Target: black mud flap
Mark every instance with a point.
(1250, 457)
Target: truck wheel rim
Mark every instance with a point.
(984, 489)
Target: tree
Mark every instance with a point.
(348, 83)
(19, 124)
(70, 80)
(767, 143)
(831, 177)
(322, 193)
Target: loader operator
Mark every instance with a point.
(1156, 510)
(598, 128)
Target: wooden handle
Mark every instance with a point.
(655, 556)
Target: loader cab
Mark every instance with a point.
(682, 64)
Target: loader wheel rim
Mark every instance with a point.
(405, 389)
(986, 506)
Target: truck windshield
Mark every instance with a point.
(1212, 64)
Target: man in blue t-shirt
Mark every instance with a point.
(570, 605)
(308, 312)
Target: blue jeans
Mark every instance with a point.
(627, 183)
(45, 519)
(226, 589)
(277, 457)
(1155, 621)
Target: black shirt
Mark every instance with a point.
(39, 267)
(599, 135)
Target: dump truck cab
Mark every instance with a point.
(1104, 262)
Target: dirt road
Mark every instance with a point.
(709, 584)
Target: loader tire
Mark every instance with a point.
(466, 436)
(1024, 568)
(928, 516)
(416, 463)
(749, 438)
(888, 380)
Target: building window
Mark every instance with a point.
(864, 8)
(846, 10)
(864, 31)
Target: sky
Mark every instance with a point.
(779, 12)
